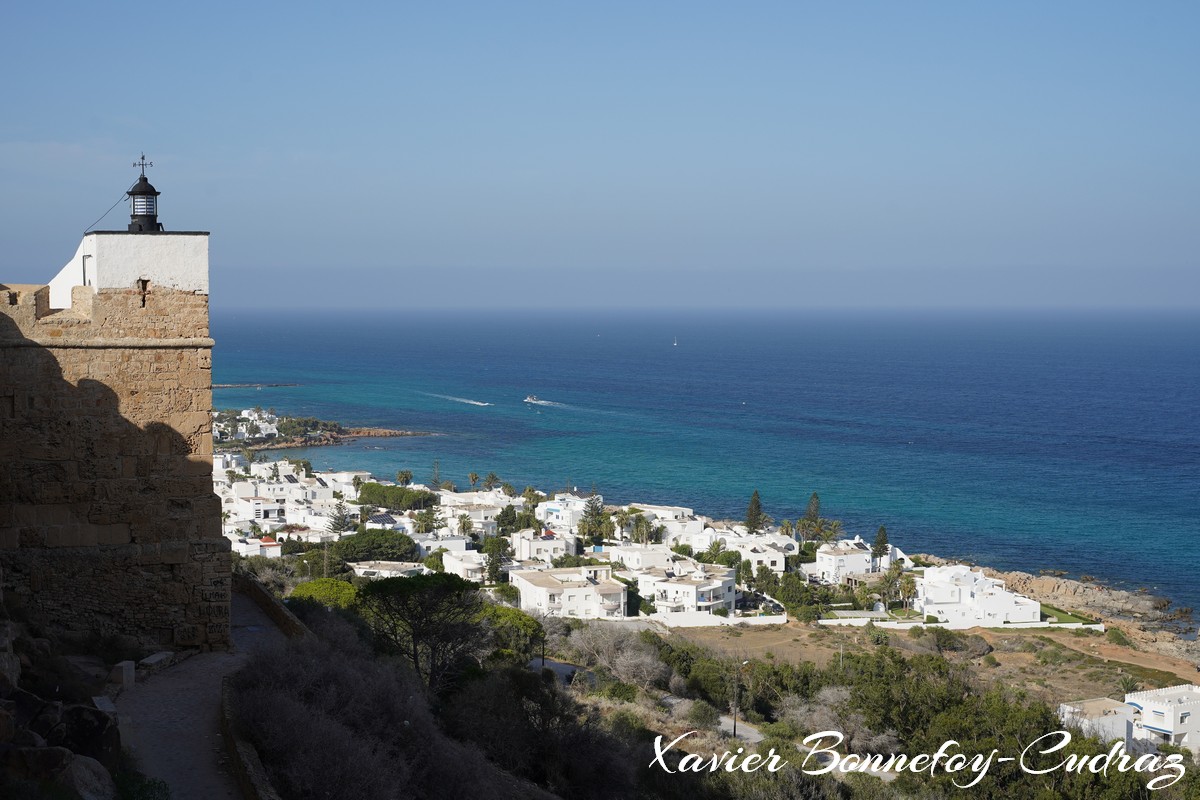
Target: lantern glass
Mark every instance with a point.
(145, 204)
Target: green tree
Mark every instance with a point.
(326, 591)
(908, 589)
(730, 558)
(506, 520)
(491, 481)
(786, 528)
(435, 475)
(404, 477)
(880, 548)
(596, 524)
(341, 520)
(432, 621)
(275, 471)
(756, 520)
(496, 549)
(472, 478)
(745, 573)
(508, 489)
(709, 556)
(429, 520)
(623, 518)
(376, 544)
(1127, 684)
(813, 512)
(683, 550)
(514, 633)
(434, 560)
(465, 525)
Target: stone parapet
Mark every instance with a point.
(108, 522)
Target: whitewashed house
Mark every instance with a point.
(762, 553)
(258, 508)
(962, 598)
(642, 556)
(531, 545)
(689, 586)
(1167, 716)
(844, 557)
(582, 592)
(1107, 719)
(563, 511)
(469, 564)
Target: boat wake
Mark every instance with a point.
(451, 397)
(534, 400)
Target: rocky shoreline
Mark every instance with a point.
(1146, 619)
(328, 439)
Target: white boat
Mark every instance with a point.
(533, 400)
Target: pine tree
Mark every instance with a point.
(880, 548)
(755, 519)
(813, 513)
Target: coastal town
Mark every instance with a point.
(568, 555)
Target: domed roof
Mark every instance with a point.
(143, 187)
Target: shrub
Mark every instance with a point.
(621, 692)
(721, 612)
(329, 592)
(990, 660)
(703, 715)
(1118, 637)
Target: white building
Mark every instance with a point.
(643, 556)
(962, 598)
(388, 569)
(1167, 716)
(1106, 719)
(530, 545)
(563, 511)
(689, 586)
(583, 592)
(836, 560)
(763, 553)
(469, 564)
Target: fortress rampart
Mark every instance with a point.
(108, 521)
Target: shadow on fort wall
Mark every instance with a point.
(106, 526)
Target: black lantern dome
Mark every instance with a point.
(143, 215)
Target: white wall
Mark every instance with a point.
(120, 260)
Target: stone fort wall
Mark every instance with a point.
(108, 521)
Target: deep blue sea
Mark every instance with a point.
(1062, 440)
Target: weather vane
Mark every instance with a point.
(143, 163)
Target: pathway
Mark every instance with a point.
(171, 720)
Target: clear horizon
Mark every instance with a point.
(789, 156)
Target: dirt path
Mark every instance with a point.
(171, 719)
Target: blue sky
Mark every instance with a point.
(541, 154)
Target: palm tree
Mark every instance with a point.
(623, 517)
(888, 585)
(465, 525)
(786, 528)
(641, 529)
(491, 481)
(1128, 684)
(908, 590)
(709, 556)
(473, 478)
(658, 533)
(358, 482)
(404, 477)
(829, 530)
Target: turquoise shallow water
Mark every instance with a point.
(1049, 440)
